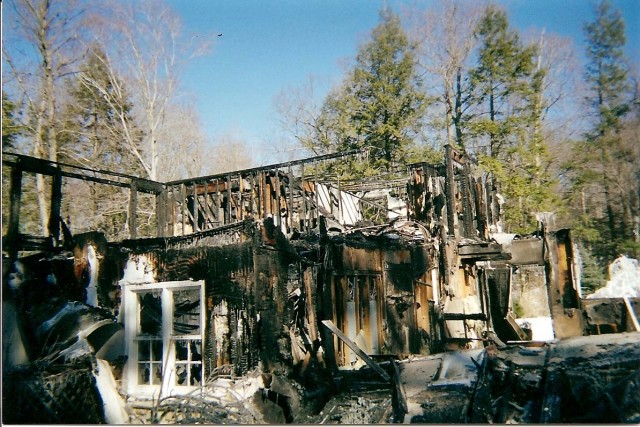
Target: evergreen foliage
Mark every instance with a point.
(11, 127)
(605, 171)
(93, 134)
(379, 106)
(507, 87)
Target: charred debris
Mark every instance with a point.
(278, 295)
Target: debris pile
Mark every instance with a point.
(270, 296)
(43, 393)
(624, 280)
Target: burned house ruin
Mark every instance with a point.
(282, 294)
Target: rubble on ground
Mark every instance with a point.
(624, 280)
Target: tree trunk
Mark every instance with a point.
(457, 116)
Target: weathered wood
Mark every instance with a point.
(207, 211)
(172, 200)
(290, 204)
(400, 392)
(278, 207)
(133, 208)
(168, 212)
(304, 225)
(46, 167)
(160, 214)
(632, 314)
(240, 213)
(450, 191)
(267, 191)
(373, 365)
(56, 205)
(197, 214)
(183, 208)
(307, 278)
(218, 203)
(253, 195)
(316, 159)
(464, 316)
(14, 213)
(227, 213)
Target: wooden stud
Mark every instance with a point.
(133, 209)
(196, 208)
(14, 214)
(290, 205)
(253, 196)
(183, 205)
(160, 213)
(277, 185)
(56, 204)
(227, 218)
(304, 225)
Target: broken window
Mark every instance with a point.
(357, 312)
(149, 362)
(164, 324)
(149, 338)
(187, 337)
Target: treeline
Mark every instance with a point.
(553, 134)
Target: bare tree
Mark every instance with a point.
(41, 48)
(300, 114)
(185, 151)
(145, 47)
(445, 40)
(230, 152)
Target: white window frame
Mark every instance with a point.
(131, 310)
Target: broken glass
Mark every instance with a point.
(186, 312)
(150, 362)
(188, 362)
(150, 313)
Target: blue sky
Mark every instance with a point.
(268, 46)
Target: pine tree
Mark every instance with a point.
(502, 80)
(380, 104)
(608, 100)
(508, 96)
(11, 128)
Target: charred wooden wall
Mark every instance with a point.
(379, 298)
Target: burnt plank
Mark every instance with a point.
(14, 213)
(290, 204)
(373, 365)
(183, 209)
(160, 213)
(133, 208)
(227, 212)
(56, 205)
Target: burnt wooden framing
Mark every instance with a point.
(182, 207)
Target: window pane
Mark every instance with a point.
(144, 370)
(150, 313)
(143, 351)
(186, 312)
(157, 374)
(156, 351)
(182, 371)
(188, 362)
(188, 374)
(196, 351)
(196, 374)
(182, 350)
